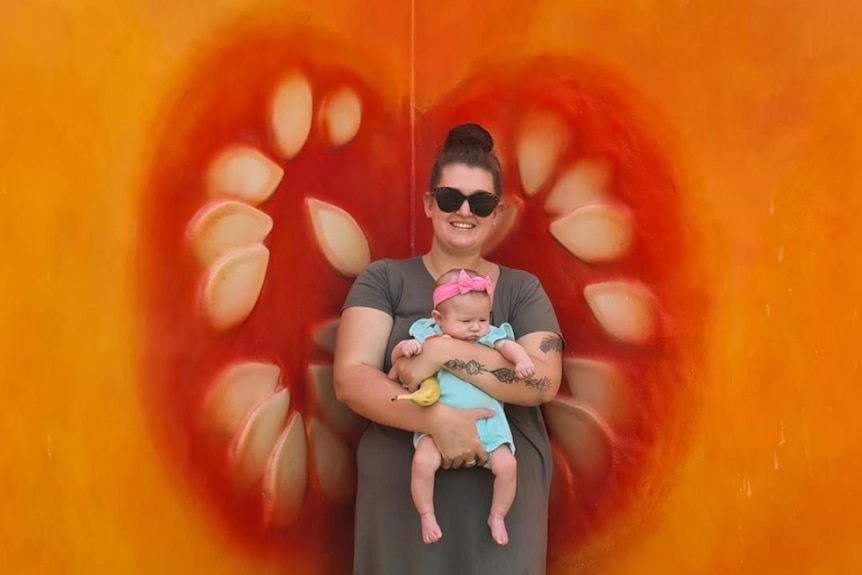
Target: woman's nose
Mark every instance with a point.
(464, 210)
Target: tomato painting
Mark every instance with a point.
(189, 189)
(282, 172)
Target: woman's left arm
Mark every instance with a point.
(488, 370)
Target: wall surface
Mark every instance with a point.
(716, 432)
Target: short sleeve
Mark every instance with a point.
(424, 328)
(525, 305)
(496, 333)
(375, 287)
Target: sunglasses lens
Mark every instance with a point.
(482, 204)
(448, 199)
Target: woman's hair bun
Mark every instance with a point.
(468, 136)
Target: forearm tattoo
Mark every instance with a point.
(506, 375)
(503, 374)
(471, 367)
(551, 343)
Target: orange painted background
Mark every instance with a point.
(757, 108)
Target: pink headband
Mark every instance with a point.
(464, 284)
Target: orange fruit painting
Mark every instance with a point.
(190, 189)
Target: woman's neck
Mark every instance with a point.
(439, 262)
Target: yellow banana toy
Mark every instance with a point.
(427, 394)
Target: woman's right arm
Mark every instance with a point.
(359, 383)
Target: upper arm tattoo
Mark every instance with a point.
(551, 343)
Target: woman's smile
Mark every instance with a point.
(463, 225)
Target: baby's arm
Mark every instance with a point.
(516, 353)
(406, 348)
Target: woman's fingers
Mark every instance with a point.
(464, 460)
(480, 456)
(457, 439)
(470, 460)
(403, 371)
(399, 374)
(481, 413)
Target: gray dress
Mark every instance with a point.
(388, 537)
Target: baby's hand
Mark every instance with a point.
(525, 368)
(410, 348)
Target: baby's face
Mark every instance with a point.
(465, 316)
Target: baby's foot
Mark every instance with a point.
(431, 532)
(498, 529)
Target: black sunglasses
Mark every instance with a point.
(482, 204)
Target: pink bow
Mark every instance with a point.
(464, 284)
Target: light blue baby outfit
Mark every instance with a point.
(460, 394)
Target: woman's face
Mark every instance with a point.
(462, 229)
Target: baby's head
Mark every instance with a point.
(462, 304)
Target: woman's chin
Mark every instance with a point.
(464, 239)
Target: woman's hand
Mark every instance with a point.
(410, 371)
(454, 434)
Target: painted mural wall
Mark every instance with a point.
(189, 189)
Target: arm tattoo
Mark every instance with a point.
(471, 367)
(506, 375)
(503, 374)
(540, 383)
(551, 343)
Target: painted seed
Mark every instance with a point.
(625, 310)
(232, 286)
(244, 173)
(584, 183)
(594, 233)
(285, 479)
(542, 139)
(341, 116)
(339, 237)
(256, 439)
(233, 395)
(291, 115)
(224, 225)
(333, 466)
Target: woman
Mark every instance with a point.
(387, 297)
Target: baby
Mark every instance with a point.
(462, 308)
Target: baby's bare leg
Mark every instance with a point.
(426, 462)
(505, 470)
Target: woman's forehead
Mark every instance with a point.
(466, 178)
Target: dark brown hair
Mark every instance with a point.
(471, 145)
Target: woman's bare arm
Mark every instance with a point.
(359, 382)
(488, 370)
